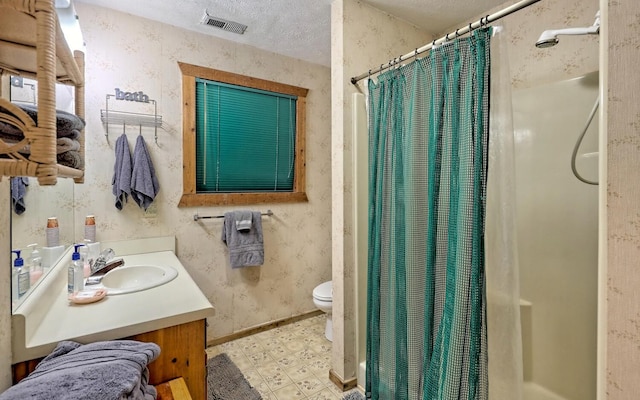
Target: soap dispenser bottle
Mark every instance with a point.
(19, 278)
(75, 275)
(35, 264)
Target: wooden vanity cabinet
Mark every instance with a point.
(182, 355)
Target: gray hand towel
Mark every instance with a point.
(121, 182)
(243, 220)
(144, 183)
(18, 191)
(246, 247)
(101, 370)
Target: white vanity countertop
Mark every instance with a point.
(48, 318)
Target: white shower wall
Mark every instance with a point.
(557, 227)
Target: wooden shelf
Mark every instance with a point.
(32, 45)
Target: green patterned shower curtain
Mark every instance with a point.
(428, 143)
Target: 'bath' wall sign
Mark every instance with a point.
(132, 96)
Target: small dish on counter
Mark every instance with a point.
(87, 296)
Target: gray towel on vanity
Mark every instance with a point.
(246, 247)
(121, 182)
(144, 183)
(102, 370)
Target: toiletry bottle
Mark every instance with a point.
(35, 264)
(22, 275)
(90, 228)
(53, 232)
(84, 257)
(75, 279)
(15, 274)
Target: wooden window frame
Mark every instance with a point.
(190, 197)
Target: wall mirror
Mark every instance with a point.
(38, 203)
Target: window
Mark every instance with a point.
(243, 139)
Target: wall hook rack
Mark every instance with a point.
(109, 116)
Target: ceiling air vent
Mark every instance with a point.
(216, 22)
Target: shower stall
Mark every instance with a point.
(557, 236)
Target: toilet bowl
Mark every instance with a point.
(323, 299)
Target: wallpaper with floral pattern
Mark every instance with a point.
(623, 205)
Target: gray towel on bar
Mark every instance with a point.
(246, 247)
(110, 370)
(243, 220)
(121, 182)
(144, 183)
(18, 191)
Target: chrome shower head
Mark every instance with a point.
(550, 38)
(547, 39)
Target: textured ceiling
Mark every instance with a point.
(295, 28)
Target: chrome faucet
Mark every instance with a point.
(102, 260)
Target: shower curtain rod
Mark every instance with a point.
(461, 31)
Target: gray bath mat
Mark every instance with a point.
(355, 395)
(226, 382)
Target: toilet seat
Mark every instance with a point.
(323, 292)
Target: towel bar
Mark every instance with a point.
(197, 217)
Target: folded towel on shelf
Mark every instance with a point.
(66, 144)
(62, 144)
(243, 220)
(110, 370)
(18, 191)
(71, 159)
(66, 123)
(246, 247)
(144, 183)
(121, 182)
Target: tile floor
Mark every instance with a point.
(286, 363)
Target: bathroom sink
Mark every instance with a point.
(135, 278)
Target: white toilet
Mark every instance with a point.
(323, 299)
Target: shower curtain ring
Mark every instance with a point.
(446, 37)
(470, 29)
(416, 55)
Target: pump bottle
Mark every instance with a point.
(19, 278)
(15, 272)
(75, 275)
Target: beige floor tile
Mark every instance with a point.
(298, 372)
(289, 392)
(241, 361)
(253, 376)
(310, 385)
(260, 358)
(324, 394)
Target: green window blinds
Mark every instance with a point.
(245, 139)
